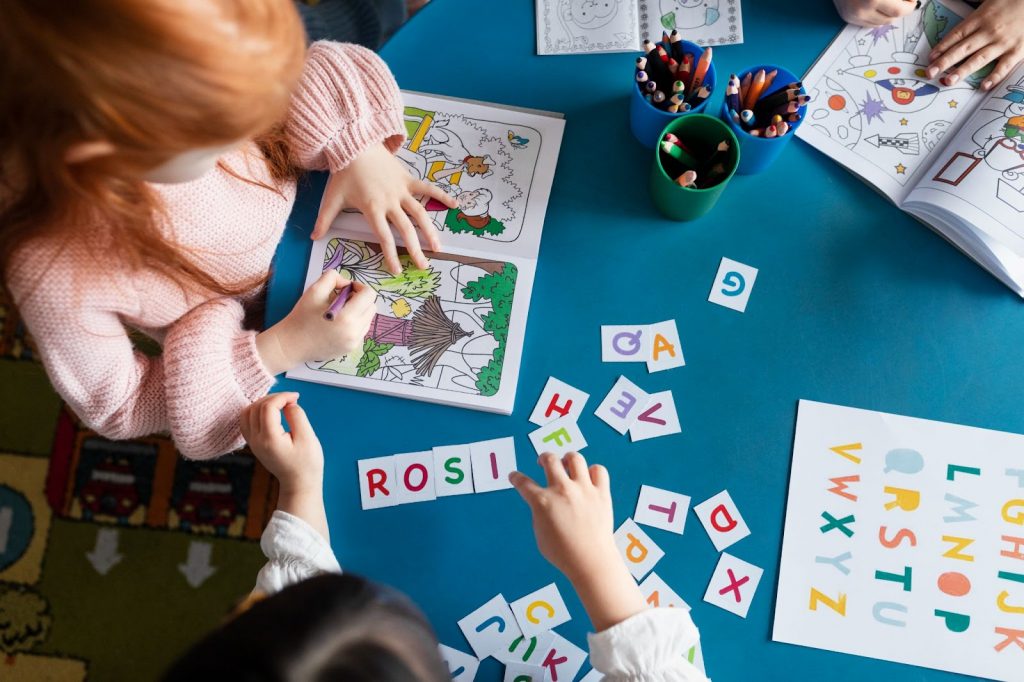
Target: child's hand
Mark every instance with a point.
(377, 184)
(294, 457)
(305, 335)
(874, 12)
(572, 519)
(994, 31)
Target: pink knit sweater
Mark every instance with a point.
(209, 369)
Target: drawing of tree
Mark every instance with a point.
(499, 288)
(360, 262)
(428, 334)
(372, 353)
(413, 282)
(24, 620)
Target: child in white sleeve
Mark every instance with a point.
(307, 621)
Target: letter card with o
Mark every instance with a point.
(904, 541)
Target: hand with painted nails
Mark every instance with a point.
(379, 186)
(992, 33)
(573, 523)
(874, 12)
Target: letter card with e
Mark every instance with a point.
(904, 541)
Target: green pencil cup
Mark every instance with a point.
(702, 134)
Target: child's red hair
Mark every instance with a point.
(152, 78)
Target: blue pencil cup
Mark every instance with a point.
(757, 153)
(647, 121)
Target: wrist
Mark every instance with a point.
(273, 349)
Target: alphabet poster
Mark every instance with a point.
(904, 541)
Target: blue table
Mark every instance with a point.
(855, 304)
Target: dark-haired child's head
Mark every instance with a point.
(331, 627)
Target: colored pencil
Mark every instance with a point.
(687, 179)
(338, 303)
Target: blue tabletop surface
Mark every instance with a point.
(855, 304)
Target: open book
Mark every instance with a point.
(452, 334)
(953, 157)
(575, 26)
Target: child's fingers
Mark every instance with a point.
(387, 242)
(401, 221)
(554, 472)
(434, 192)
(363, 298)
(298, 423)
(576, 465)
(526, 487)
(954, 54)
(1003, 68)
(270, 413)
(325, 285)
(330, 206)
(599, 477)
(962, 30)
(419, 216)
(977, 61)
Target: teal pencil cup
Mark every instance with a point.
(701, 134)
(647, 121)
(757, 152)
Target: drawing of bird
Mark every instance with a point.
(517, 141)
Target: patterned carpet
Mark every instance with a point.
(114, 556)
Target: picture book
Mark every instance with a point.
(584, 26)
(904, 541)
(453, 333)
(952, 157)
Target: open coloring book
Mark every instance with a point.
(452, 334)
(573, 26)
(953, 157)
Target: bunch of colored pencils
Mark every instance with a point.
(670, 78)
(761, 111)
(681, 161)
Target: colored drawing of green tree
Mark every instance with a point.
(372, 353)
(357, 261)
(412, 282)
(499, 288)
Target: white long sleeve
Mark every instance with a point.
(648, 647)
(295, 551)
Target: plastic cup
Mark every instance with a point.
(758, 152)
(647, 121)
(702, 134)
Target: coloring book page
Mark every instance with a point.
(978, 176)
(498, 163)
(585, 26)
(903, 542)
(874, 110)
(705, 22)
(450, 334)
(574, 26)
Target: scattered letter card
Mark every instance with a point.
(491, 628)
(625, 343)
(523, 672)
(733, 284)
(622, 405)
(562, 660)
(662, 509)
(722, 520)
(377, 482)
(733, 585)
(540, 611)
(658, 418)
(530, 650)
(493, 461)
(666, 351)
(659, 595)
(559, 399)
(639, 551)
(904, 541)
(560, 436)
(461, 666)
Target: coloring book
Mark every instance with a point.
(452, 334)
(582, 26)
(903, 542)
(953, 157)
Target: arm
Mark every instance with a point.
(297, 540)
(208, 371)
(573, 522)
